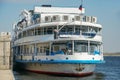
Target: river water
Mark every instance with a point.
(107, 71)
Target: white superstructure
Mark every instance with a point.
(58, 40)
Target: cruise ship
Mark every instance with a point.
(57, 40)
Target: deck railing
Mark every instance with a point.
(90, 34)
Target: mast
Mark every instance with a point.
(81, 15)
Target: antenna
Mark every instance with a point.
(81, 2)
(81, 14)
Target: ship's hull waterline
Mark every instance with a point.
(60, 69)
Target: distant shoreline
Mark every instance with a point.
(111, 54)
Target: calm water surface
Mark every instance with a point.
(107, 71)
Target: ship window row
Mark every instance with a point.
(31, 49)
(55, 18)
(37, 18)
(66, 48)
(58, 18)
(37, 31)
(71, 30)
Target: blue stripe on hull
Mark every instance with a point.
(62, 61)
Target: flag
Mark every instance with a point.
(80, 8)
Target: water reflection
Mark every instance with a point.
(24, 75)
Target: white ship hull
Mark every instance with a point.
(57, 40)
(74, 65)
(61, 69)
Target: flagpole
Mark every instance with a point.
(81, 2)
(81, 15)
(81, 6)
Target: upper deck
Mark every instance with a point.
(51, 15)
(67, 21)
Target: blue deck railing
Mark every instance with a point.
(89, 34)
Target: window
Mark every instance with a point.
(63, 30)
(55, 18)
(65, 18)
(93, 48)
(49, 31)
(27, 50)
(20, 35)
(35, 16)
(37, 31)
(94, 19)
(47, 18)
(81, 46)
(70, 29)
(40, 49)
(24, 34)
(88, 19)
(31, 32)
(56, 48)
(84, 48)
(77, 18)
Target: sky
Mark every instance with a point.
(107, 12)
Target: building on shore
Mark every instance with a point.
(5, 51)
